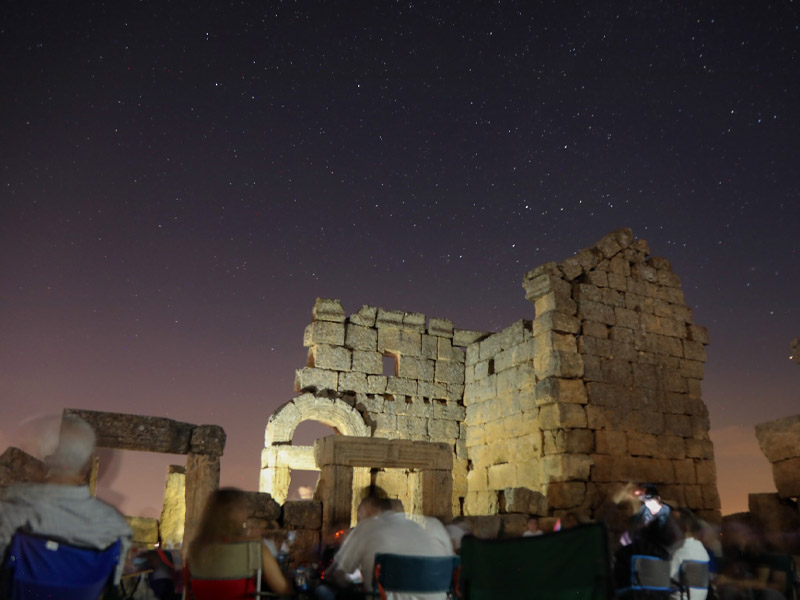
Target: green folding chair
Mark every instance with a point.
(567, 565)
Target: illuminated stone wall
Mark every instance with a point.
(618, 362)
(600, 388)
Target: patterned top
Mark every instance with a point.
(69, 513)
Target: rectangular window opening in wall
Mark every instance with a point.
(491, 366)
(389, 365)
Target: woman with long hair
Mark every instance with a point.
(225, 548)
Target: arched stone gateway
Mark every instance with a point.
(279, 457)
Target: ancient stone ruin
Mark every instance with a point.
(600, 387)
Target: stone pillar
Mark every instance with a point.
(275, 482)
(202, 473)
(437, 491)
(335, 491)
(173, 511)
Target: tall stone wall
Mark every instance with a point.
(618, 362)
(419, 398)
(504, 440)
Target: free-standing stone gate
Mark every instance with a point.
(203, 445)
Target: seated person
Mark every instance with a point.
(690, 548)
(379, 529)
(62, 505)
(533, 527)
(742, 576)
(224, 547)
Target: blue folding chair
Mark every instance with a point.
(414, 574)
(648, 574)
(693, 575)
(38, 567)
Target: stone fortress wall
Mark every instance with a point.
(600, 388)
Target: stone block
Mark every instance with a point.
(684, 471)
(597, 312)
(376, 384)
(593, 329)
(414, 321)
(137, 432)
(398, 386)
(699, 448)
(446, 351)
(324, 332)
(566, 467)
(333, 358)
(565, 494)
(145, 530)
(644, 273)
(353, 382)
(567, 365)
(447, 371)
(302, 514)
(430, 347)
(611, 442)
(502, 476)
(365, 316)
(680, 425)
(778, 517)
(572, 441)
(571, 268)
(410, 367)
(391, 319)
(555, 302)
(311, 379)
(207, 439)
(20, 467)
(173, 509)
(562, 415)
(465, 337)
(556, 321)
(442, 430)
(616, 371)
(589, 258)
(398, 341)
(358, 337)
(779, 439)
(597, 279)
(326, 309)
(434, 390)
(786, 474)
(523, 500)
(698, 334)
(481, 503)
(440, 327)
(691, 369)
(642, 444)
(368, 362)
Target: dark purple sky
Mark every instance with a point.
(181, 180)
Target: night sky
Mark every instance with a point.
(181, 180)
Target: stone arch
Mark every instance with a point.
(279, 456)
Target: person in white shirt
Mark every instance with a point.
(382, 529)
(689, 549)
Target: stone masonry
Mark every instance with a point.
(600, 388)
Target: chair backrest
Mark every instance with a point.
(39, 567)
(648, 573)
(694, 574)
(571, 564)
(227, 571)
(413, 574)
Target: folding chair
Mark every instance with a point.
(414, 574)
(693, 575)
(568, 565)
(233, 573)
(38, 567)
(648, 574)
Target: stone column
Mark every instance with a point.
(202, 474)
(173, 511)
(335, 491)
(437, 492)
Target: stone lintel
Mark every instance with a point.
(137, 432)
(293, 457)
(378, 452)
